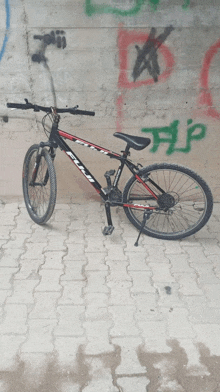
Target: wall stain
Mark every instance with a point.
(172, 368)
(168, 290)
(162, 370)
(54, 376)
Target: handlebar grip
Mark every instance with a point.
(82, 112)
(22, 106)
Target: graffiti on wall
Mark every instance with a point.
(128, 10)
(56, 38)
(7, 27)
(205, 97)
(170, 133)
(148, 59)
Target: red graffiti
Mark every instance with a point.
(125, 41)
(205, 97)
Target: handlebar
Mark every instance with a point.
(37, 108)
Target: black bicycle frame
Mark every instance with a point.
(56, 138)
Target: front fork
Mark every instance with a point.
(52, 152)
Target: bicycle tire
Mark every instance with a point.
(39, 199)
(185, 210)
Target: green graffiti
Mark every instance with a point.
(186, 4)
(92, 8)
(169, 135)
(154, 4)
(105, 9)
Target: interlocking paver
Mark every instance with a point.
(206, 273)
(23, 291)
(14, 320)
(6, 232)
(169, 295)
(200, 310)
(115, 252)
(50, 280)
(156, 254)
(6, 277)
(10, 346)
(180, 263)
(72, 292)
(118, 271)
(129, 364)
(188, 283)
(178, 324)
(3, 295)
(212, 293)
(69, 320)
(146, 306)
(142, 282)
(96, 261)
(73, 270)
(45, 305)
(207, 334)
(96, 282)
(11, 257)
(137, 261)
(195, 254)
(130, 384)
(98, 339)
(97, 306)
(124, 322)
(53, 260)
(94, 246)
(34, 251)
(92, 306)
(39, 337)
(28, 269)
(211, 246)
(18, 240)
(120, 292)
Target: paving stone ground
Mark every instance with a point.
(84, 312)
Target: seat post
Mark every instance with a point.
(126, 152)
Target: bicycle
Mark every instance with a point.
(165, 201)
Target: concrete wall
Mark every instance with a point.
(94, 53)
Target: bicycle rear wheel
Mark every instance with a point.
(40, 193)
(184, 201)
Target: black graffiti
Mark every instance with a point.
(147, 57)
(55, 38)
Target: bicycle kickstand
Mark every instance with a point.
(108, 229)
(146, 216)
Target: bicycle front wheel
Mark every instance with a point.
(40, 193)
(183, 201)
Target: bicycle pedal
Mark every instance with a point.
(108, 230)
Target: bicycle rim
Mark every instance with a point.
(185, 204)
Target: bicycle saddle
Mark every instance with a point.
(136, 142)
